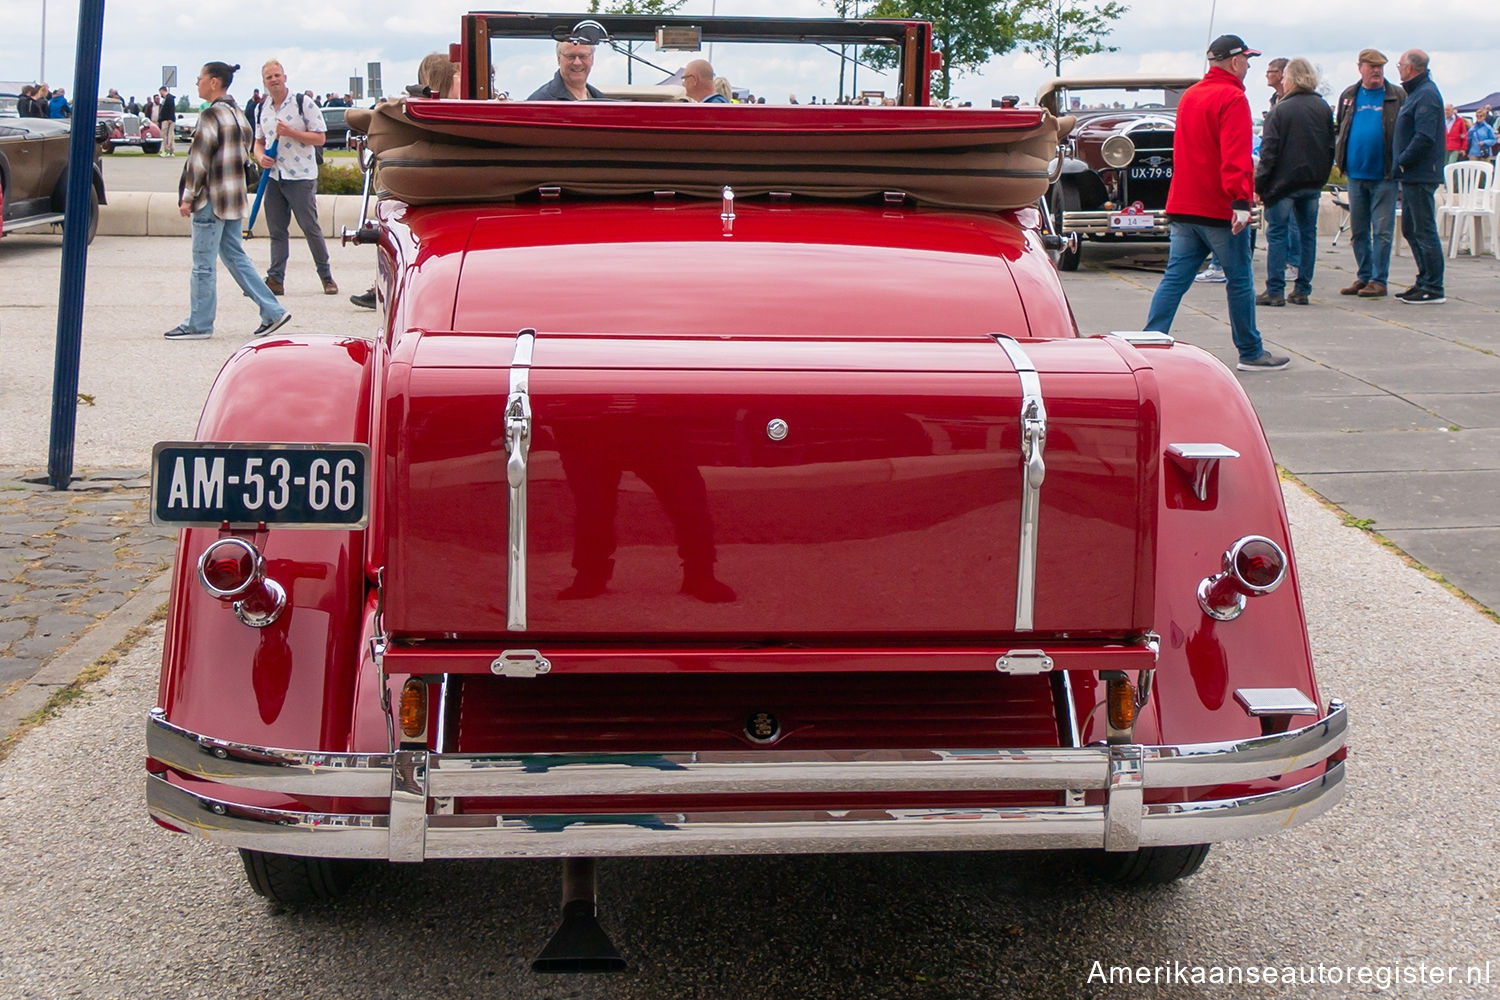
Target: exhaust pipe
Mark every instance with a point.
(579, 944)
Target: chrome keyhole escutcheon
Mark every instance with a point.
(777, 430)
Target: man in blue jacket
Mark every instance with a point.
(1418, 147)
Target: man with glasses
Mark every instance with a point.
(571, 81)
(698, 81)
(1209, 199)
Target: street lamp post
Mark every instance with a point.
(41, 73)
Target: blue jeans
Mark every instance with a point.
(1372, 225)
(1296, 212)
(214, 237)
(1419, 226)
(1191, 244)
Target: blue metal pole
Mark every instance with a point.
(75, 244)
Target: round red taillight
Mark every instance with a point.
(228, 567)
(1259, 564)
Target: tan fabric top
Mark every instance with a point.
(431, 152)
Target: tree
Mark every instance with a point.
(636, 7)
(967, 32)
(1056, 31)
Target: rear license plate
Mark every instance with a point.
(203, 484)
(1129, 223)
(1149, 173)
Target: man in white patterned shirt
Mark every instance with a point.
(212, 193)
(293, 125)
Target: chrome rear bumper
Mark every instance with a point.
(418, 787)
(1096, 223)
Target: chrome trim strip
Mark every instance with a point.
(336, 835)
(518, 448)
(1033, 471)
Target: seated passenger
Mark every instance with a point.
(698, 81)
(571, 81)
(721, 87)
(439, 75)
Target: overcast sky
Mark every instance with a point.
(323, 44)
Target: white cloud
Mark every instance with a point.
(323, 45)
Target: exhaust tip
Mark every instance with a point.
(580, 944)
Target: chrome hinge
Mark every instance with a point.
(520, 663)
(518, 449)
(1034, 470)
(1024, 662)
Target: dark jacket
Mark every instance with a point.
(168, 111)
(1296, 147)
(1212, 172)
(555, 90)
(28, 107)
(1394, 98)
(1418, 144)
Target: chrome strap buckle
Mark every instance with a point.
(1033, 471)
(518, 450)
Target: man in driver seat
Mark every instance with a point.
(571, 81)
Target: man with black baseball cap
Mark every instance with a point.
(1213, 182)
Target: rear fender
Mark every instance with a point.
(1204, 661)
(291, 683)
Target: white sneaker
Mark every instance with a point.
(1214, 275)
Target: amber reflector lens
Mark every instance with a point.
(1259, 564)
(1121, 703)
(413, 708)
(229, 568)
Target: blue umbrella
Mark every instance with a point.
(260, 190)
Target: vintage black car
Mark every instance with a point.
(34, 174)
(338, 129)
(1118, 160)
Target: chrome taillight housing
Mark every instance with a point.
(233, 569)
(1252, 567)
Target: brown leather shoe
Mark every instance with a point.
(274, 284)
(1372, 290)
(1355, 288)
(329, 288)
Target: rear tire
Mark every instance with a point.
(1150, 865)
(151, 148)
(1065, 198)
(1068, 259)
(295, 881)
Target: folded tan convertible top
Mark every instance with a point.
(431, 151)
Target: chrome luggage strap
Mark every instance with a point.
(518, 449)
(1033, 471)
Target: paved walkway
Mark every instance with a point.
(69, 559)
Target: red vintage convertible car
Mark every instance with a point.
(724, 479)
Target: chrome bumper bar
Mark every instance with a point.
(418, 787)
(1097, 224)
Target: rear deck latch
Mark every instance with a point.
(524, 663)
(1024, 662)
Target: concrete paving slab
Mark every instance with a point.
(1307, 453)
(1409, 500)
(1467, 409)
(1461, 371)
(1342, 413)
(1464, 556)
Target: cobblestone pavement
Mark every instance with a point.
(69, 558)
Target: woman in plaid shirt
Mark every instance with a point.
(212, 193)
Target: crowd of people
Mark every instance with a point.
(1389, 141)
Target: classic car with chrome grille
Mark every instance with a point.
(724, 479)
(1117, 161)
(126, 128)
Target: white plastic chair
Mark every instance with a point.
(1469, 198)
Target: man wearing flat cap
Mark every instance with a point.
(1213, 182)
(1363, 152)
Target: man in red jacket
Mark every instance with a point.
(1213, 182)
